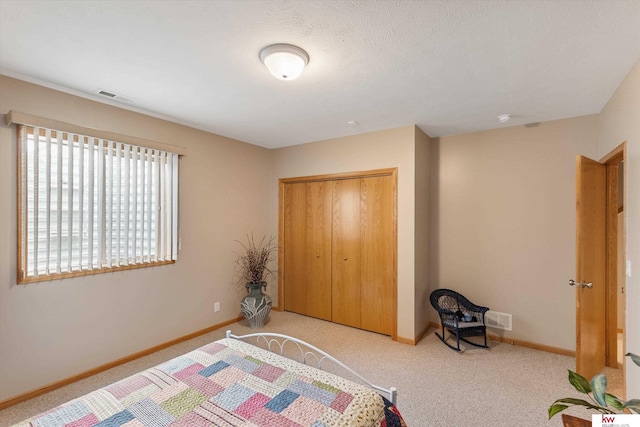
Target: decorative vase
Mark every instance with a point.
(256, 305)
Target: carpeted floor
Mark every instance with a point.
(504, 386)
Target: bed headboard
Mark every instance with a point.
(310, 355)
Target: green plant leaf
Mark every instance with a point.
(556, 408)
(634, 357)
(599, 387)
(581, 402)
(633, 404)
(614, 401)
(574, 401)
(579, 382)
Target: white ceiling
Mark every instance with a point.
(448, 66)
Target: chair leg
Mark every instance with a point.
(475, 344)
(443, 339)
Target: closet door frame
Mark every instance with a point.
(393, 172)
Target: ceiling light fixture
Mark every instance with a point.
(505, 117)
(284, 61)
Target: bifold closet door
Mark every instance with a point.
(378, 271)
(307, 248)
(345, 290)
(339, 250)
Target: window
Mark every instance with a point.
(88, 205)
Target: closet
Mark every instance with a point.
(338, 240)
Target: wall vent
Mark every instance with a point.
(497, 320)
(111, 95)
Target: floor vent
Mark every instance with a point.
(495, 319)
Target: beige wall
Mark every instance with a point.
(77, 324)
(368, 151)
(422, 253)
(620, 121)
(503, 222)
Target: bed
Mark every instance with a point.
(279, 381)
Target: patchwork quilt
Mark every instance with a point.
(226, 383)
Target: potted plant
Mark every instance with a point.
(599, 399)
(254, 267)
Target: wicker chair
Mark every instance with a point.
(459, 316)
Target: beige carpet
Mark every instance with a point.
(504, 386)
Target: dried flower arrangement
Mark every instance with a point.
(254, 263)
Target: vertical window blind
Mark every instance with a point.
(88, 204)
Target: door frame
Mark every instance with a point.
(393, 172)
(612, 162)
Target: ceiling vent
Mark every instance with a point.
(114, 96)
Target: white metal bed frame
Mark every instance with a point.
(306, 354)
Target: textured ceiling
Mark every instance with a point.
(448, 66)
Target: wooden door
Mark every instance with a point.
(345, 289)
(590, 266)
(307, 243)
(378, 272)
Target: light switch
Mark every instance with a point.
(628, 268)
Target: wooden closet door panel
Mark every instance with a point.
(319, 205)
(307, 249)
(345, 294)
(295, 247)
(378, 270)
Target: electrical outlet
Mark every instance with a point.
(216, 306)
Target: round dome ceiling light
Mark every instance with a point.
(284, 61)
(505, 117)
